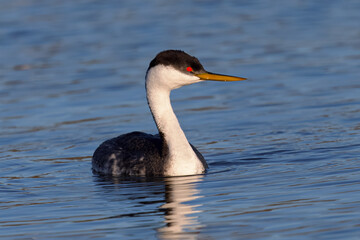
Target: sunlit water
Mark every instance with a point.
(283, 147)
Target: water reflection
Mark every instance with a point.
(175, 195)
(180, 215)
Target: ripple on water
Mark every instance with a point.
(283, 146)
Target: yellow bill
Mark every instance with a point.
(218, 77)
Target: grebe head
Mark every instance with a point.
(172, 69)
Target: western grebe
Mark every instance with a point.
(168, 153)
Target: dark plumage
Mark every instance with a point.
(134, 153)
(178, 59)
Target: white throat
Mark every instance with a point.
(181, 159)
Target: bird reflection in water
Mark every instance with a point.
(147, 197)
(181, 217)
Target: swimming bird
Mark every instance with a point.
(168, 153)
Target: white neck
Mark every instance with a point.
(180, 158)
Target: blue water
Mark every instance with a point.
(283, 147)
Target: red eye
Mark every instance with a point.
(189, 69)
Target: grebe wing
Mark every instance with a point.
(134, 153)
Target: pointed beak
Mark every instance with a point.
(218, 77)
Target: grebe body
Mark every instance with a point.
(168, 153)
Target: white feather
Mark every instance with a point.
(160, 80)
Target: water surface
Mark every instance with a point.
(283, 147)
